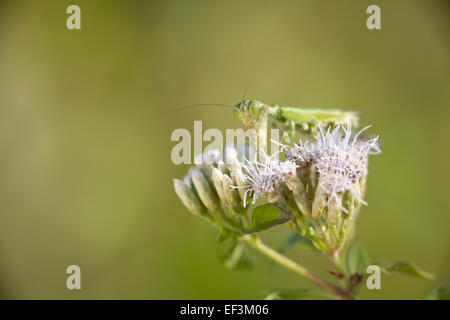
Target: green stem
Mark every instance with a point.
(340, 266)
(256, 243)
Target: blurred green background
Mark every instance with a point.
(86, 118)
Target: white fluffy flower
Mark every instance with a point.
(304, 154)
(210, 157)
(263, 177)
(342, 161)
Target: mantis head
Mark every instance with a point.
(251, 112)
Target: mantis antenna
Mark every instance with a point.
(202, 105)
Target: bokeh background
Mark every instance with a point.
(86, 118)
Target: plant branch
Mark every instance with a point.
(256, 243)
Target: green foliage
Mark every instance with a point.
(405, 268)
(296, 294)
(267, 216)
(295, 239)
(231, 253)
(357, 258)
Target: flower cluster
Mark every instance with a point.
(215, 189)
(321, 182)
(325, 178)
(264, 177)
(340, 161)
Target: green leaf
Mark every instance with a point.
(231, 253)
(439, 292)
(296, 239)
(224, 235)
(404, 267)
(407, 268)
(296, 294)
(357, 258)
(384, 266)
(267, 216)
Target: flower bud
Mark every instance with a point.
(300, 196)
(210, 157)
(348, 205)
(217, 177)
(187, 180)
(319, 203)
(334, 212)
(230, 154)
(239, 178)
(224, 188)
(188, 197)
(206, 161)
(222, 167)
(204, 189)
(230, 193)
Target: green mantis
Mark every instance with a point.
(258, 116)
